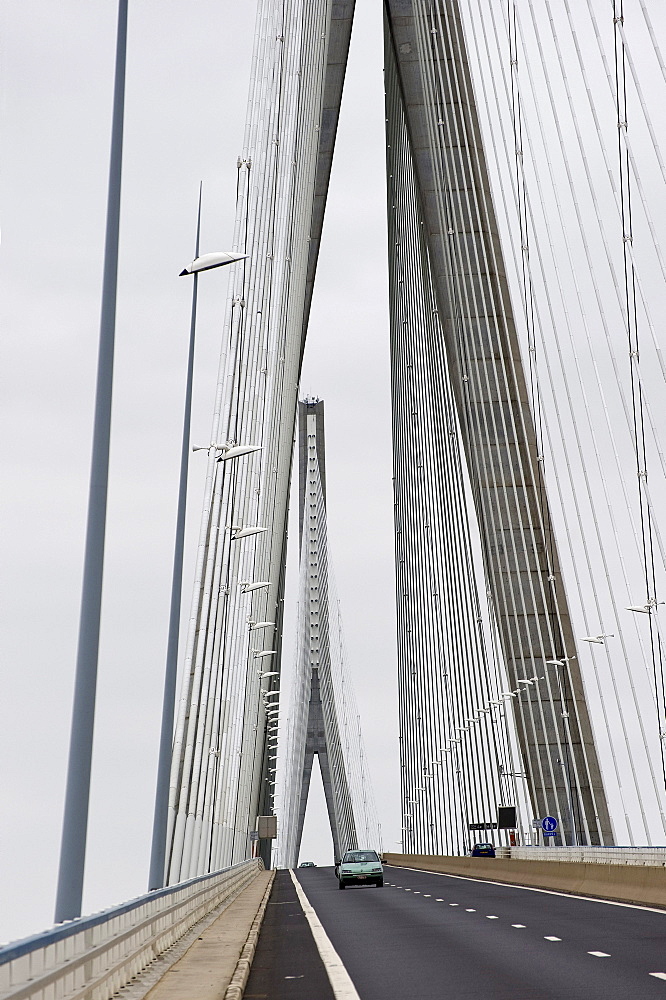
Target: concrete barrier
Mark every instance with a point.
(625, 884)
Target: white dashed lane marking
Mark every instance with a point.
(492, 916)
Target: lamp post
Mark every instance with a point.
(560, 664)
(158, 850)
(564, 764)
(77, 796)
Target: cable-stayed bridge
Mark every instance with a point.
(524, 174)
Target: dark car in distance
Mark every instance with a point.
(483, 851)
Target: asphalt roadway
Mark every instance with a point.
(433, 936)
(286, 963)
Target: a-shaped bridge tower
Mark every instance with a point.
(323, 718)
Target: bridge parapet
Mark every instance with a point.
(96, 956)
(650, 856)
(608, 878)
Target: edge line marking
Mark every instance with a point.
(341, 983)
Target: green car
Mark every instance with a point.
(360, 868)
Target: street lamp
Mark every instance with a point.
(158, 850)
(240, 531)
(557, 664)
(208, 261)
(237, 450)
(247, 587)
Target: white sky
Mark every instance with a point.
(188, 71)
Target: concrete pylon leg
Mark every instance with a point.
(336, 791)
(330, 804)
(305, 788)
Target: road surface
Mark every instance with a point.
(438, 937)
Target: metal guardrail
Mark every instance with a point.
(654, 857)
(92, 958)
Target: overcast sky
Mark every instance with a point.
(187, 81)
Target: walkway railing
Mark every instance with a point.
(651, 856)
(95, 956)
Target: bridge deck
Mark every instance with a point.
(436, 936)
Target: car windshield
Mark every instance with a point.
(358, 857)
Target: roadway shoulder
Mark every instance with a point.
(287, 964)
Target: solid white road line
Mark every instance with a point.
(341, 984)
(599, 954)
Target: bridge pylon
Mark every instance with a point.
(323, 718)
(459, 377)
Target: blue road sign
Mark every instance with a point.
(549, 825)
